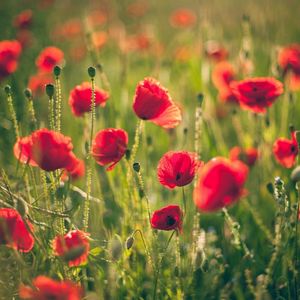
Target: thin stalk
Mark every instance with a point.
(58, 104)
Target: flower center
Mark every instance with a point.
(178, 176)
(170, 221)
(293, 149)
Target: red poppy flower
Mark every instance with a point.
(286, 150)
(9, 55)
(81, 98)
(294, 82)
(14, 231)
(248, 156)
(45, 288)
(220, 184)
(167, 218)
(177, 168)
(49, 58)
(153, 103)
(45, 148)
(73, 247)
(109, 146)
(289, 58)
(183, 17)
(99, 39)
(215, 51)
(38, 82)
(223, 74)
(23, 20)
(75, 170)
(256, 94)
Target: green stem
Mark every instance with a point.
(160, 264)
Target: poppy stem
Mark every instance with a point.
(92, 73)
(198, 126)
(58, 99)
(297, 238)
(234, 228)
(184, 201)
(135, 146)
(12, 111)
(160, 265)
(33, 121)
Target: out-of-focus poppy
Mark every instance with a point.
(215, 51)
(80, 98)
(220, 183)
(9, 55)
(72, 247)
(23, 20)
(153, 103)
(75, 170)
(38, 82)
(286, 151)
(109, 146)
(44, 288)
(256, 94)
(45, 148)
(14, 231)
(183, 18)
(223, 74)
(248, 155)
(49, 58)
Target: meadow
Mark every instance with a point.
(149, 149)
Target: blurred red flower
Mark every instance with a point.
(223, 74)
(153, 103)
(248, 155)
(45, 288)
(9, 55)
(80, 98)
(177, 168)
(286, 151)
(215, 51)
(70, 29)
(109, 146)
(14, 231)
(183, 17)
(167, 218)
(256, 94)
(72, 247)
(97, 18)
(220, 183)
(99, 39)
(38, 82)
(23, 20)
(289, 58)
(49, 58)
(75, 170)
(45, 148)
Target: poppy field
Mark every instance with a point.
(149, 149)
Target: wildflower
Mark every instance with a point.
(109, 146)
(49, 58)
(223, 74)
(215, 51)
(45, 148)
(256, 94)
(23, 20)
(286, 151)
(153, 103)
(73, 247)
(14, 231)
(220, 183)
(45, 288)
(183, 18)
(38, 82)
(248, 155)
(80, 98)
(9, 55)
(177, 168)
(167, 218)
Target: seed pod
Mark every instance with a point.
(129, 242)
(295, 176)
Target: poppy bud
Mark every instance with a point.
(200, 97)
(92, 72)
(149, 140)
(129, 242)
(74, 253)
(56, 71)
(270, 188)
(185, 131)
(28, 93)
(50, 90)
(7, 89)
(295, 176)
(100, 67)
(278, 181)
(127, 154)
(136, 166)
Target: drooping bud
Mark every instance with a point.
(129, 242)
(295, 176)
